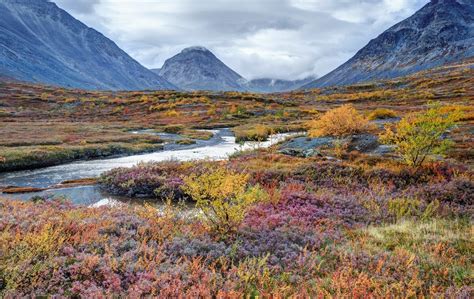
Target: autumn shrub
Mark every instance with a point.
(404, 207)
(339, 122)
(173, 129)
(455, 197)
(223, 196)
(172, 113)
(161, 180)
(419, 135)
(303, 209)
(252, 133)
(382, 113)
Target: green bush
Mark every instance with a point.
(420, 135)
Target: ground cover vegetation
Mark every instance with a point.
(40, 123)
(262, 223)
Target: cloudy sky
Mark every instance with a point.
(285, 39)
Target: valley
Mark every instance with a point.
(45, 126)
(187, 180)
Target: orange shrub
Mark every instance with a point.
(339, 122)
(172, 113)
(382, 113)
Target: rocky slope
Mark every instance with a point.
(39, 42)
(196, 68)
(441, 32)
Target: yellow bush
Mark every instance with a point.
(252, 133)
(382, 113)
(172, 113)
(339, 122)
(223, 196)
(419, 135)
(212, 110)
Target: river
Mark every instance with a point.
(219, 147)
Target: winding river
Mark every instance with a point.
(219, 147)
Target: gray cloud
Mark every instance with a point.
(78, 6)
(284, 39)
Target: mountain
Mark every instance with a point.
(267, 85)
(440, 32)
(196, 68)
(39, 42)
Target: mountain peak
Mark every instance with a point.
(196, 68)
(41, 42)
(440, 32)
(195, 49)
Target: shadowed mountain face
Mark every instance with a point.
(40, 42)
(441, 32)
(196, 68)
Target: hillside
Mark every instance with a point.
(40, 42)
(441, 32)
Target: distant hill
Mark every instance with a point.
(196, 68)
(441, 32)
(268, 85)
(39, 42)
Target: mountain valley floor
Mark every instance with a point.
(342, 220)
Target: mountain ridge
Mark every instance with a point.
(440, 32)
(42, 43)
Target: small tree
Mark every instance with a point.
(419, 135)
(339, 122)
(223, 196)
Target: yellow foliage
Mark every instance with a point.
(419, 135)
(172, 113)
(212, 111)
(382, 113)
(257, 132)
(339, 122)
(223, 196)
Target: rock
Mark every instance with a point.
(308, 143)
(383, 150)
(295, 152)
(363, 143)
(305, 147)
(311, 147)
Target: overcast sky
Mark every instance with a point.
(284, 39)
